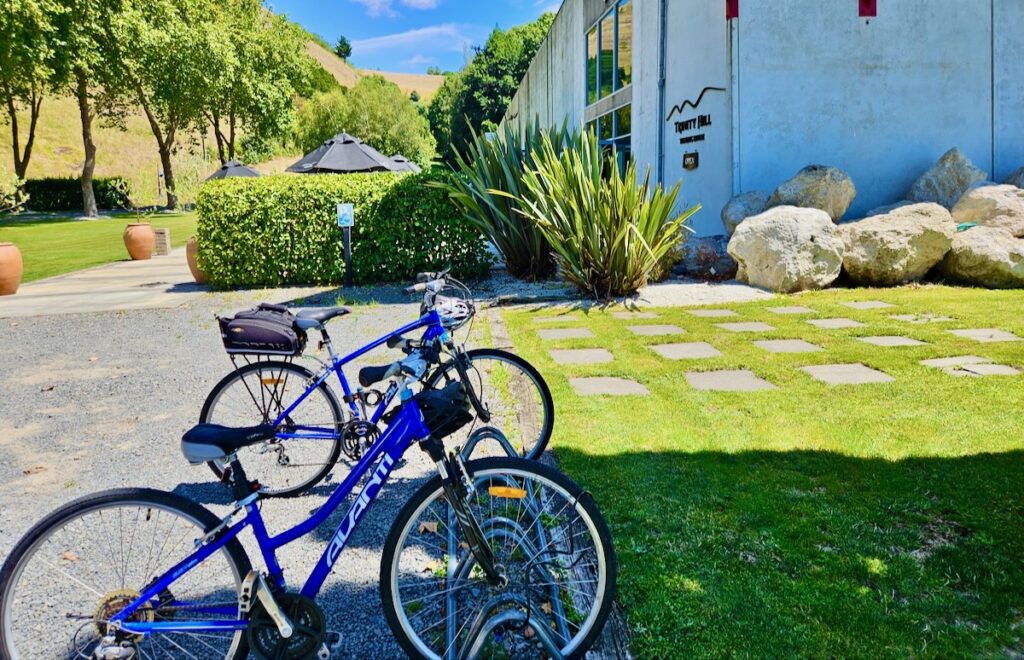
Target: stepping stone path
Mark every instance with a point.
(655, 330)
(836, 324)
(607, 386)
(987, 335)
(868, 304)
(890, 341)
(581, 356)
(846, 374)
(689, 351)
(565, 333)
(552, 319)
(712, 313)
(752, 326)
(970, 365)
(920, 318)
(634, 315)
(787, 346)
(728, 381)
(791, 310)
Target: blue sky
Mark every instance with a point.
(410, 35)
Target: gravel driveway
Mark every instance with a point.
(91, 402)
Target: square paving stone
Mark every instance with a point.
(655, 330)
(988, 370)
(581, 356)
(565, 333)
(836, 324)
(847, 374)
(958, 361)
(634, 315)
(890, 341)
(604, 385)
(728, 381)
(750, 326)
(796, 309)
(920, 318)
(986, 335)
(712, 313)
(689, 351)
(787, 346)
(867, 304)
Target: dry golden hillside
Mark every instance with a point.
(424, 85)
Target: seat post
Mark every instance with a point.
(327, 342)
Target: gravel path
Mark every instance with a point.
(91, 402)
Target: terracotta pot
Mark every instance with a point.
(139, 239)
(191, 250)
(11, 267)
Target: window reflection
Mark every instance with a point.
(607, 53)
(624, 57)
(592, 66)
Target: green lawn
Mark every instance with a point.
(882, 520)
(62, 245)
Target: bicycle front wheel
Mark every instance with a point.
(90, 559)
(549, 541)
(259, 393)
(514, 393)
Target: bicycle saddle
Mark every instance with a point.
(313, 317)
(208, 442)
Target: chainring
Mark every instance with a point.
(357, 436)
(265, 641)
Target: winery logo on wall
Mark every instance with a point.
(691, 130)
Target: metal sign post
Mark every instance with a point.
(347, 220)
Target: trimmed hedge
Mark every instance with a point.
(279, 230)
(65, 194)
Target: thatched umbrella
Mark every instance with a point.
(404, 164)
(344, 154)
(232, 168)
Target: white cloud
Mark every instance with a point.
(445, 36)
(421, 4)
(387, 8)
(548, 5)
(420, 60)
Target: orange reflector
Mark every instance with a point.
(271, 381)
(506, 491)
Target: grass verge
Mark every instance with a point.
(882, 520)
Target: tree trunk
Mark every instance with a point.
(22, 158)
(215, 122)
(165, 161)
(85, 110)
(165, 142)
(231, 140)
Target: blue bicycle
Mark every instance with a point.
(499, 558)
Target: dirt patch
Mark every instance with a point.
(939, 533)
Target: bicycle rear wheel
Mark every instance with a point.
(257, 394)
(514, 393)
(551, 543)
(93, 557)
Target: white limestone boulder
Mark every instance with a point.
(1016, 179)
(986, 256)
(817, 187)
(897, 247)
(741, 207)
(993, 206)
(947, 180)
(788, 249)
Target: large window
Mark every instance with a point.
(614, 131)
(610, 52)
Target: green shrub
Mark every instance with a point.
(65, 194)
(487, 188)
(611, 231)
(11, 194)
(279, 230)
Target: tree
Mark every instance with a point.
(434, 71)
(27, 68)
(478, 96)
(414, 96)
(375, 111)
(344, 48)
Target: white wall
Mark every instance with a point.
(880, 98)
(1008, 52)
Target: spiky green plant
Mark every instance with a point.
(487, 186)
(609, 229)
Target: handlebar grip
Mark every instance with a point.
(371, 375)
(423, 278)
(416, 288)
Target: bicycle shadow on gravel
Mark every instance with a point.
(803, 553)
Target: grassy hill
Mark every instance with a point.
(424, 85)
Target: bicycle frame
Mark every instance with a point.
(434, 330)
(378, 462)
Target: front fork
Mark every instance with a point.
(458, 489)
(462, 364)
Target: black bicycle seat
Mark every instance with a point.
(207, 442)
(308, 318)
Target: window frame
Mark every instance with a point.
(595, 27)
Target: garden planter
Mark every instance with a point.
(11, 267)
(139, 239)
(191, 250)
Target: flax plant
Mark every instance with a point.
(608, 228)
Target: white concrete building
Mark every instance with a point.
(738, 95)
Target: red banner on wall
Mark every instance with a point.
(868, 8)
(732, 9)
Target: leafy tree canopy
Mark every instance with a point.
(343, 49)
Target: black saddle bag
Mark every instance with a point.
(265, 330)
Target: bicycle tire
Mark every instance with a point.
(203, 518)
(305, 375)
(433, 490)
(543, 393)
